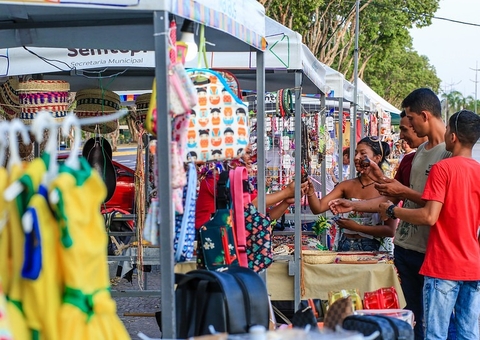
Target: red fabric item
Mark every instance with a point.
(206, 200)
(404, 169)
(452, 249)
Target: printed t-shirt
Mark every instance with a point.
(453, 251)
(407, 235)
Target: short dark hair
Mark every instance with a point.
(346, 151)
(403, 114)
(423, 99)
(466, 125)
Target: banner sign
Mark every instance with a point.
(33, 60)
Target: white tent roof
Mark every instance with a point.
(285, 52)
(339, 86)
(376, 99)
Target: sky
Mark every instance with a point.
(453, 48)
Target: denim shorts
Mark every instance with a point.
(357, 244)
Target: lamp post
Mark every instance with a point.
(476, 82)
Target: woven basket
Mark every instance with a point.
(142, 103)
(9, 101)
(37, 95)
(96, 103)
(318, 256)
(348, 258)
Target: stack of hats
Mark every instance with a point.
(142, 103)
(9, 102)
(37, 95)
(96, 103)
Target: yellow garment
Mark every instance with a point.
(88, 311)
(46, 290)
(12, 257)
(5, 269)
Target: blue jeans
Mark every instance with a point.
(357, 244)
(441, 297)
(408, 263)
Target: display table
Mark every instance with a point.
(319, 279)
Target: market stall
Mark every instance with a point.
(288, 65)
(138, 26)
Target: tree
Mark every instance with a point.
(328, 29)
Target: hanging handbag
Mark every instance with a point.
(218, 127)
(259, 239)
(217, 242)
(239, 187)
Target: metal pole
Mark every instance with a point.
(261, 131)
(160, 23)
(298, 180)
(355, 90)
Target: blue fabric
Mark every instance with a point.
(32, 264)
(441, 297)
(185, 224)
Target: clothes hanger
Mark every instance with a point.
(42, 121)
(15, 126)
(4, 128)
(72, 121)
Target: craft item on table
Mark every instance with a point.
(220, 129)
(9, 101)
(97, 102)
(338, 311)
(383, 298)
(318, 256)
(37, 95)
(354, 294)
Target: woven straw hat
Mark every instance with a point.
(318, 256)
(9, 102)
(37, 95)
(95, 103)
(142, 103)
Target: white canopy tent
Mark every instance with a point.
(376, 98)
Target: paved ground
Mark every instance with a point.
(146, 305)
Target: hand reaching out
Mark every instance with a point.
(340, 205)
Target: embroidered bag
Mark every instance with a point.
(185, 223)
(217, 242)
(218, 127)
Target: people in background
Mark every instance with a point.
(345, 168)
(451, 266)
(365, 232)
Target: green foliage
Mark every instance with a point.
(387, 61)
